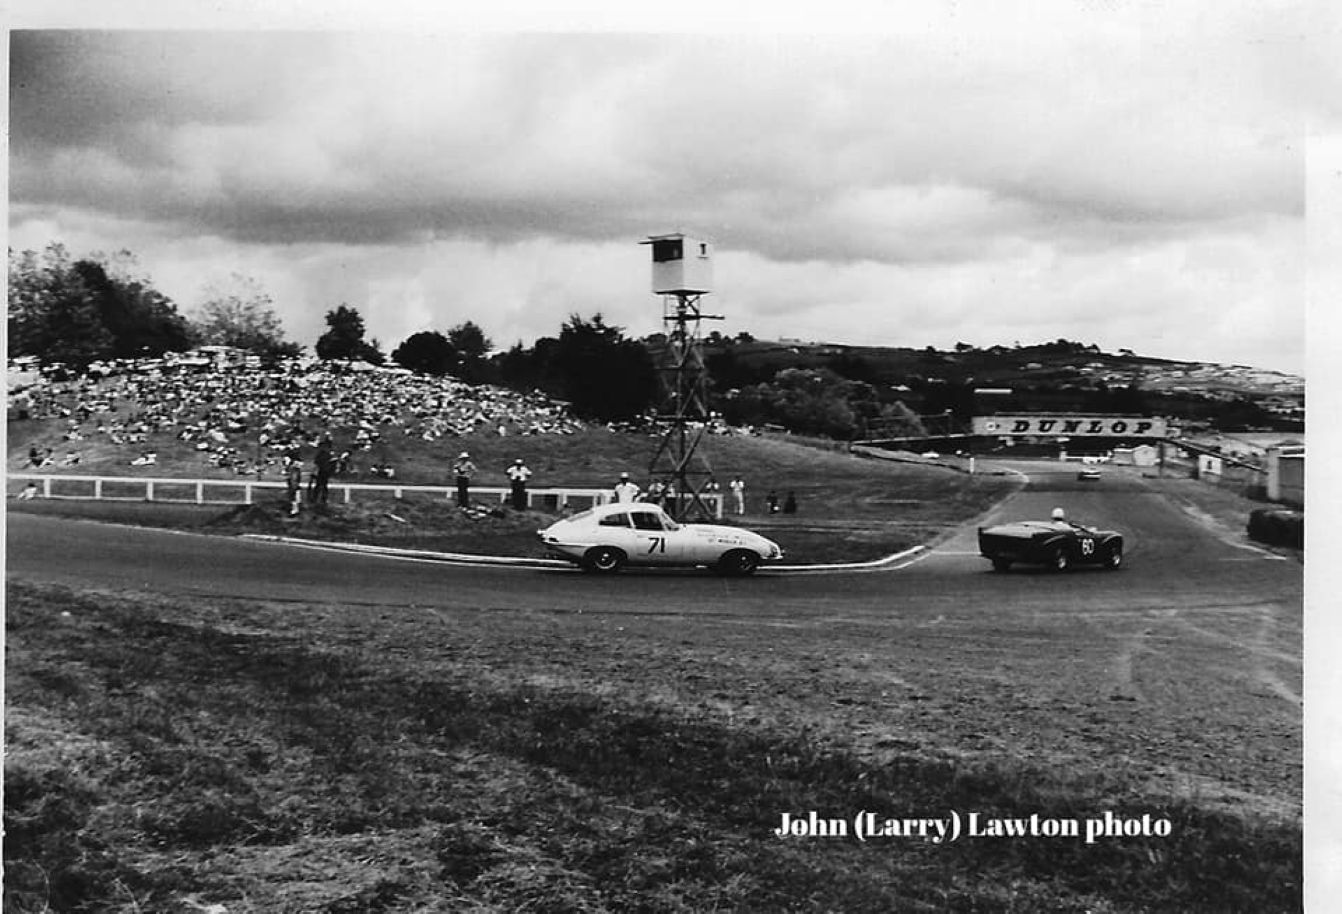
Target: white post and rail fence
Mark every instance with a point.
(245, 492)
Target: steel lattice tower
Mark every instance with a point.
(683, 415)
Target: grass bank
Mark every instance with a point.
(169, 756)
(849, 508)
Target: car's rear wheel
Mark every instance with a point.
(1113, 558)
(1059, 560)
(738, 563)
(604, 560)
(1001, 565)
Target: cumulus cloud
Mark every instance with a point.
(958, 162)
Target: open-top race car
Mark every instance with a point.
(607, 537)
(1057, 543)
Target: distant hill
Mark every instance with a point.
(1004, 365)
(1048, 376)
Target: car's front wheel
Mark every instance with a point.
(1003, 565)
(738, 563)
(1113, 558)
(604, 560)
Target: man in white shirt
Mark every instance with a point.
(463, 470)
(518, 474)
(626, 490)
(738, 487)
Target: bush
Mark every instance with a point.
(1277, 527)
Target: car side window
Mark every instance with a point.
(614, 520)
(647, 520)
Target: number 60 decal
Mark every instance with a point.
(1087, 547)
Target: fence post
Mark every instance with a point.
(247, 493)
(200, 493)
(149, 490)
(97, 488)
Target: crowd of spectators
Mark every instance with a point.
(247, 419)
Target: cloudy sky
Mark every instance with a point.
(1112, 172)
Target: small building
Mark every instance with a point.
(1286, 473)
(681, 265)
(1143, 455)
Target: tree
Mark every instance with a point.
(36, 283)
(469, 341)
(427, 351)
(77, 312)
(140, 320)
(344, 338)
(898, 421)
(600, 373)
(471, 346)
(521, 368)
(239, 312)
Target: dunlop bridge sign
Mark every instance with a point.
(1071, 426)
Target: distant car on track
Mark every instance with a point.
(1089, 474)
(605, 538)
(1059, 544)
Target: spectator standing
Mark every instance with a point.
(738, 487)
(772, 501)
(626, 490)
(463, 470)
(293, 481)
(790, 503)
(518, 474)
(323, 467)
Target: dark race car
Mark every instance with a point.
(1059, 544)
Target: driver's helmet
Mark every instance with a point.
(1059, 514)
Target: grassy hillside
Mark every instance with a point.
(876, 507)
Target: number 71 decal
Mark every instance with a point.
(658, 544)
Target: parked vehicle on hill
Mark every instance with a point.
(605, 538)
(1088, 474)
(1059, 544)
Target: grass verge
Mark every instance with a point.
(164, 756)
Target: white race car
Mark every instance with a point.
(607, 537)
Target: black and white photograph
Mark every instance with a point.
(690, 459)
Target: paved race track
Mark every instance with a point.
(1173, 561)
